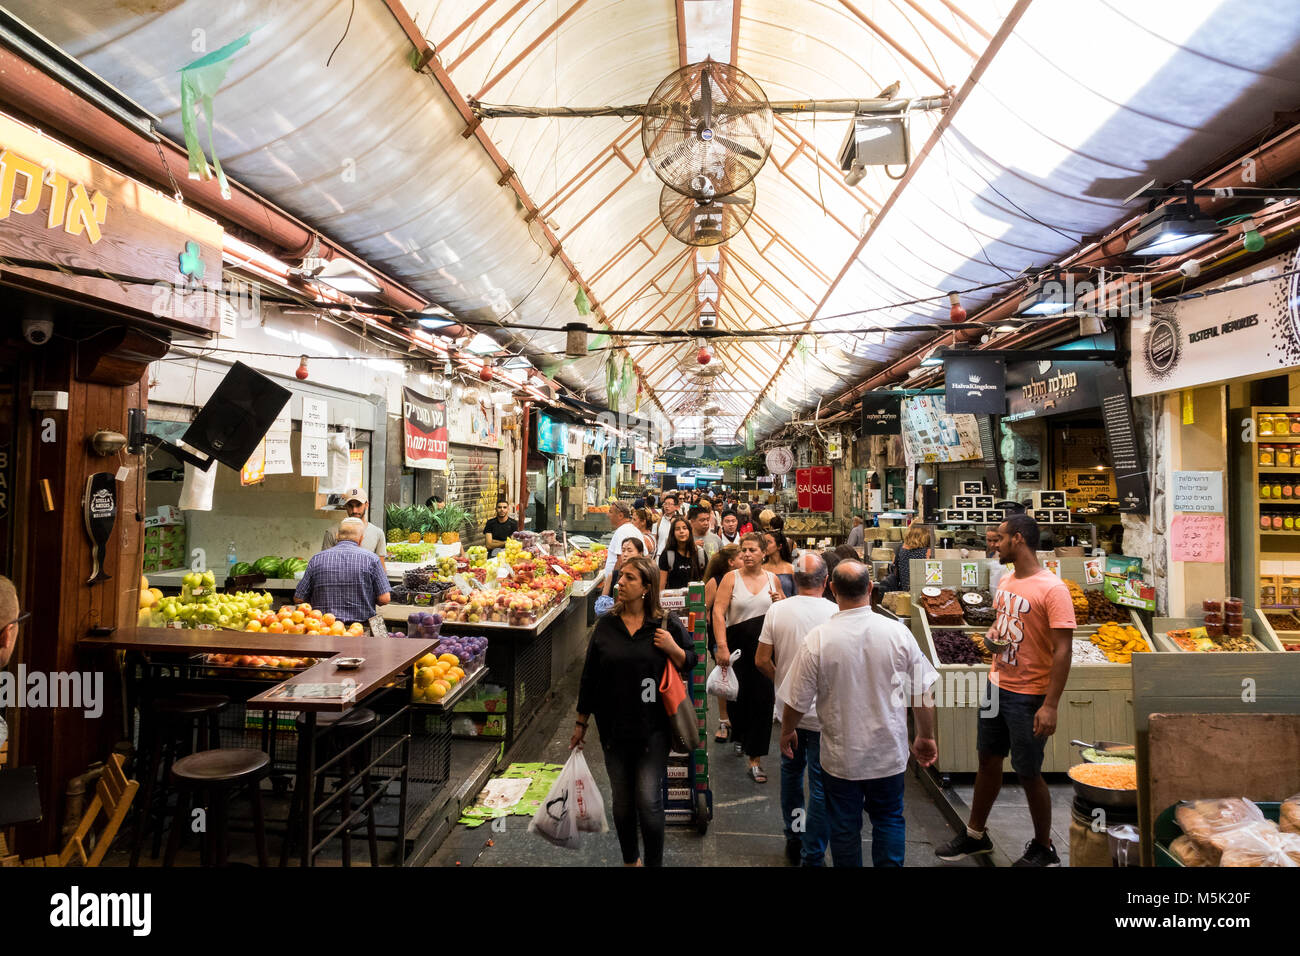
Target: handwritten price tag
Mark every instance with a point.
(1197, 538)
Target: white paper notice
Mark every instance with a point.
(283, 423)
(315, 417)
(279, 457)
(314, 451)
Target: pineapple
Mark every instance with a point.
(431, 526)
(417, 523)
(453, 519)
(395, 517)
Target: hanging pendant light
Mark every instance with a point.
(302, 368)
(956, 313)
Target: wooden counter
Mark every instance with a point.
(174, 640)
(386, 658)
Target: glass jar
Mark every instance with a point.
(1282, 456)
(1268, 594)
(1294, 421)
(1277, 522)
(1265, 522)
(1265, 491)
(1265, 425)
(1288, 489)
(1266, 455)
(1275, 490)
(1288, 523)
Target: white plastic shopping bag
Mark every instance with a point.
(572, 805)
(722, 680)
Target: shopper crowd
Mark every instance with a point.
(807, 649)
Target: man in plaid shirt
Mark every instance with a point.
(345, 580)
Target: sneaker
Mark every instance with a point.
(794, 850)
(1038, 855)
(962, 846)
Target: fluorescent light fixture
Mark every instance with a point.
(1172, 230)
(932, 358)
(1050, 294)
(482, 345)
(518, 362)
(344, 275)
(431, 322)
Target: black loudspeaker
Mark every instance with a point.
(237, 416)
(668, 482)
(593, 465)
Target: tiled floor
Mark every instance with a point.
(1009, 826)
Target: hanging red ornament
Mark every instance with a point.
(485, 373)
(956, 313)
(302, 368)
(703, 356)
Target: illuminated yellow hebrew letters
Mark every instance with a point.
(13, 166)
(86, 213)
(58, 184)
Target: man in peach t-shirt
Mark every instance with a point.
(1036, 621)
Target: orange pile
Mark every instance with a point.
(302, 619)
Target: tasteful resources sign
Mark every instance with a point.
(975, 385)
(1241, 333)
(815, 488)
(425, 431)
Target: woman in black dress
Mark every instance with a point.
(683, 560)
(630, 646)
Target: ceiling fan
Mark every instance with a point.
(707, 129)
(706, 220)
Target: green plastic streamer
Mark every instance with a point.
(580, 301)
(200, 81)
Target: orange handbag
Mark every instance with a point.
(682, 720)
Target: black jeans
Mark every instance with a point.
(636, 771)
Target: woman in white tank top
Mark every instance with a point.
(738, 613)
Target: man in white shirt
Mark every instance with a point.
(786, 625)
(620, 519)
(857, 536)
(664, 532)
(863, 670)
(730, 533)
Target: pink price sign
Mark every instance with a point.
(815, 488)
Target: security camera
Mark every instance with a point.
(854, 174)
(1191, 268)
(38, 331)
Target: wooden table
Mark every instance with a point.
(385, 660)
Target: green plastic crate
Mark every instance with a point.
(1167, 830)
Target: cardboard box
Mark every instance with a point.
(983, 501)
(955, 515)
(166, 515)
(975, 516)
(995, 515)
(1047, 499)
(963, 501)
(972, 487)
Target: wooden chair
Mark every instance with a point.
(113, 796)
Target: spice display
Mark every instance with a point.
(1282, 622)
(956, 647)
(1107, 776)
(977, 606)
(1119, 643)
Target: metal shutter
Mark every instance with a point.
(472, 482)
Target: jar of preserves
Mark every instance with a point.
(1275, 490)
(1294, 421)
(1265, 491)
(1265, 522)
(1265, 425)
(1288, 489)
(1282, 456)
(1266, 455)
(1277, 522)
(1268, 594)
(1288, 523)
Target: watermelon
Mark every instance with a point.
(291, 566)
(270, 566)
(243, 567)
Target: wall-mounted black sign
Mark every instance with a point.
(1121, 434)
(1038, 389)
(881, 414)
(975, 384)
(99, 510)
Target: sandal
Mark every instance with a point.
(724, 732)
(757, 775)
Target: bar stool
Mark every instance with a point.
(219, 773)
(340, 731)
(171, 726)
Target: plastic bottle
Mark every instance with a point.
(231, 559)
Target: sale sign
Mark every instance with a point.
(815, 488)
(425, 431)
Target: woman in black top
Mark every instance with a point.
(683, 560)
(630, 646)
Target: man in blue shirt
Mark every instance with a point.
(345, 580)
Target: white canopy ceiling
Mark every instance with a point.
(1082, 103)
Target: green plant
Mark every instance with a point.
(453, 518)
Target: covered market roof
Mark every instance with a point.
(1062, 109)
